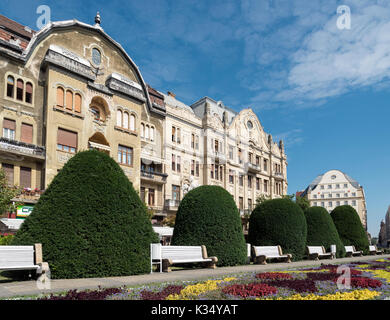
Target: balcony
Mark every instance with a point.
(22, 149)
(156, 177)
(28, 195)
(171, 205)
(278, 175)
(254, 168)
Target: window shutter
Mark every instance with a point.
(77, 103)
(9, 124)
(9, 173)
(69, 100)
(60, 97)
(27, 133)
(25, 177)
(67, 138)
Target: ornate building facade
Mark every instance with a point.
(70, 87)
(335, 188)
(209, 144)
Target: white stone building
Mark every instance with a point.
(335, 188)
(208, 143)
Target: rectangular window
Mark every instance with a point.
(66, 140)
(173, 134)
(265, 165)
(9, 127)
(241, 180)
(197, 169)
(25, 177)
(196, 142)
(258, 184)
(231, 152)
(9, 173)
(250, 157)
(241, 203)
(250, 182)
(330, 203)
(354, 202)
(221, 173)
(216, 172)
(231, 176)
(143, 194)
(212, 172)
(173, 162)
(125, 155)
(178, 138)
(192, 167)
(175, 193)
(151, 197)
(258, 161)
(239, 156)
(216, 145)
(193, 141)
(178, 164)
(329, 186)
(26, 133)
(266, 186)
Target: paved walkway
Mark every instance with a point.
(25, 288)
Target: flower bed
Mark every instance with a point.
(369, 280)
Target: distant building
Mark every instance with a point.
(384, 233)
(335, 188)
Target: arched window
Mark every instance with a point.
(147, 132)
(29, 91)
(10, 86)
(69, 100)
(77, 102)
(119, 118)
(125, 120)
(142, 130)
(20, 90)
(60, 97)
(151, 133)
(132, 122)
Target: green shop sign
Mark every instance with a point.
(23, 211)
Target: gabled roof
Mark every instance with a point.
(14, 35)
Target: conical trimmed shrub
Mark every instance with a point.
(279, 222)
(321, 230)
(350, 228)
(209, 216)
(90, 221)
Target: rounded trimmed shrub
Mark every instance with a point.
(90, 221)
(350, 228)
(279, 222)
(321, 230)
(209, 216)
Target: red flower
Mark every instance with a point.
(363, 282)
(250, 290)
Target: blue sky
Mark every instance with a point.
(323, 90)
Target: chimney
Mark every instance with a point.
(171, 94)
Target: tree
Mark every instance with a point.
(279, 222)
(7, 193)
(321, 230)
(90, 221)
(303, 203)
(208, 216)
(350, 228)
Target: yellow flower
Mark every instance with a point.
(353, 295)
(380, 274)
(191, 291)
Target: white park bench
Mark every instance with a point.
(318, 252)
(165, 256)
(374, 250)
(262, 253)
(351, 251)
(23, 258)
